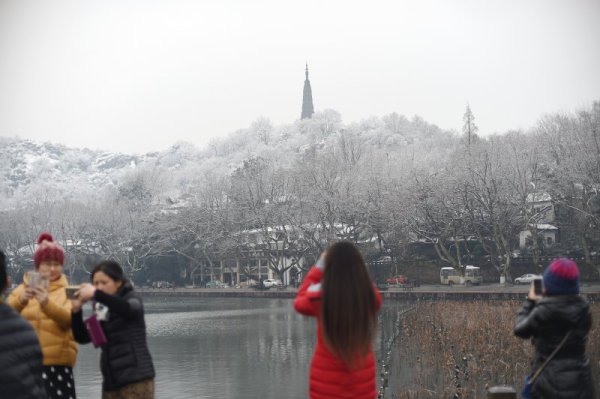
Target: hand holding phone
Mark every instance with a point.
(26, 295)
(41, 294)
(72, 291)
(535, 290)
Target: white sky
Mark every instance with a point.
(139, 75)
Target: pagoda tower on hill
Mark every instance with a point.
(307, 102)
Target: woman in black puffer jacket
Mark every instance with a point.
(126, 364)
(21, 366)
(547, 320)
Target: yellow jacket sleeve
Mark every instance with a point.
(61, 314)
(13, 299)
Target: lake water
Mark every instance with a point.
(226, 348)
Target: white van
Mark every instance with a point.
(451, 276)
(271, 282)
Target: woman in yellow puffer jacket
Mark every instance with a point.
(49, 312)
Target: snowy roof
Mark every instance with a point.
(544, 226)
(539, 197)
(468, 267)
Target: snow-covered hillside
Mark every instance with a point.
(28, 169)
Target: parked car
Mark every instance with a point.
(162, 284)
(216, 284)
(526, 278)
(382, 286)
(250, 283)
(271, 282)
(398, 280)
(259, 286)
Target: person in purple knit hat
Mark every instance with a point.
(558, 323)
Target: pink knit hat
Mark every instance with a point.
(48, 250)
(562, 277)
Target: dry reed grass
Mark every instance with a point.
(459, 349)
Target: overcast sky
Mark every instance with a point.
(139, 75)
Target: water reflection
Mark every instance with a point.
(223, 348)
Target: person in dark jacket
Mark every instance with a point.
(547, 320)
(20, 353)
(126, 364)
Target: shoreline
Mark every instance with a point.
(425, 292)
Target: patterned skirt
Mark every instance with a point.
(59, 382)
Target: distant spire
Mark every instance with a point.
(307, 103)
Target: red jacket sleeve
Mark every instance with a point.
(309, 302)
(378, 299)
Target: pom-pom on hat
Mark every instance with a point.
(47, 250)
(561, 278)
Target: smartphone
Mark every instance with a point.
(71, 290)
(537, 286)
(35, 279)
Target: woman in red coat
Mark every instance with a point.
(339, 293)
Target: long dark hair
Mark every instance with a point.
(348, 309)
(112, 269)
